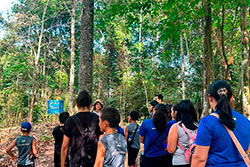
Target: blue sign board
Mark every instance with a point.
(55, 106)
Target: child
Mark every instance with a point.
(133, 138)
(26, 147)
(58, 135)
(112, 147)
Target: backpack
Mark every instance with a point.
(188, 153)
(82, 150)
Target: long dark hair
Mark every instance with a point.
(221, 91)
(160, 117)
(186, 114)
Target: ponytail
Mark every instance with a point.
(160, 118)
(222, 92)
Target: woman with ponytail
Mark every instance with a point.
(154, 132)
(214, 145)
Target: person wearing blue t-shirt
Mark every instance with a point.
(214, 145)
(149, 130)
(120, 130)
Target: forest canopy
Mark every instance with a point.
(140, 48)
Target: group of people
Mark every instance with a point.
(172, 136)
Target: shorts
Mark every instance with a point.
(132, 155)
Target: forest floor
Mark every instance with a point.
(45, 145)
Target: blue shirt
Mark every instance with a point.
(149, 132)
(170, 123)
(121, 131)
(222, 150)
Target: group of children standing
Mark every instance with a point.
(95, 138)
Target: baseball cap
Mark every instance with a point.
(26, 126)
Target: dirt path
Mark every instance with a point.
(45, 144)
(43, 135)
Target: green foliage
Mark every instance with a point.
(127, 72)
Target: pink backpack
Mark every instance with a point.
(188, 153)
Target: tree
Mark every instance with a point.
(37, 56)
(72, 54)
(208, 71)
(245, 60)
(86, 48)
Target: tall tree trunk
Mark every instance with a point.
(86, 48)
(245, 60)
(72, 58)
(222, 41)
(187, 48)
(36, 72)
(140, 59)
(182, 66)
(208, 71)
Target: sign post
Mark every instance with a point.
(55, 107)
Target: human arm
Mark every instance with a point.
(8, 150)
(34, 149)
(64, 150)
(126, 133)
(126, 160)
(100, 155)
(142, 139)
(200, 156)
(248, 150)
(172, 139)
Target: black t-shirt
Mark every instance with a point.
(58, 135)
(85, 119)
(81, 147)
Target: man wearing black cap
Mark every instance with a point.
(151, 107)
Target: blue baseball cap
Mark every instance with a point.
(26, 126)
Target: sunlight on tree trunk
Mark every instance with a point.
(72, 56)
(182, 66)
(245, 60)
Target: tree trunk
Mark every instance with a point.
(182, 66)
(72, 59)
(140, 60)
(208, 71)
(187, 48)
(222, 41)
(36, 72)
(86, 48)
(245, 60)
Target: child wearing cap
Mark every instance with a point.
(112, 147)
(26, 147)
